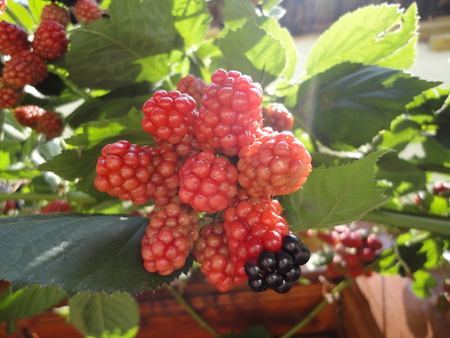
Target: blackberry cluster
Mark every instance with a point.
(202, 149)
(278, 270)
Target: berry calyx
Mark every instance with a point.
(50, 40)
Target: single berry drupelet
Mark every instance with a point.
(192, 86)
(124, 171)
(277, 117)
(28, 116)
(170, 235)
(50, 124)
(26, 68)
(275, 164)
(207, 182)
(230, 114)
(87, 11)
(168, 115)
(10, 95)
(217, 263)
(13, 39)
(57, 206)
(56, 13)
(50, 40)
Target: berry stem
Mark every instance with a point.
(439, 226)
(74, 89)
(74, 196)
(192, 311)
(338, 288)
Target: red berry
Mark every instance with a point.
(87, 11)
(57, 206)
(168, 115)
(230, 113)
(10, 95)
(373, 242)
(50, 40)
(193, 86)
(276, 116)
(170, 235)
(56, 13)
(50, 124)
(440, 188)
(23, 69)
(217, 263)
(28, 116)
(275, 164)
(3, 4)
(207, 182)
(13, 39)
(124, 171)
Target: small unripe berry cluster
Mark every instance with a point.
(353, 251)
(44, 122)
(195, 162)
(441, 189)
(277, 117)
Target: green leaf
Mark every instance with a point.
(29, 301)
(334, 195)
(422, 283)
(373, 35)
(347, 105)
(237, 12)
(403, 131)
(192, 20)
(77, 252)
(35, 7)
(21, 16)
(97, 314)
(106, 53)
(255, 52)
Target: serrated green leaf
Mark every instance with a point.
(347, 105)
(402, 132)
(77, 252)
(106, 53)
(237, 12)
(373, 35)
(192, 20)
(97, 314)
(29, 301)
(335, 195)
(253, 51)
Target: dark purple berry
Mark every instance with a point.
(285, 262)
(273, 280)
(291, 243)
(267, 261)
(257, 285)
(284, 287)
(253, 270)
(294, 274)
(302, 257)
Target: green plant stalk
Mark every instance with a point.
(74, 89)
(74, 196)
(408, 221)
(192, 312)
(16, 19)
(338, 288)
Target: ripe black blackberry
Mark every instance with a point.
(278, 270)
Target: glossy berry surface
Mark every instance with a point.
(28, 116)
(87, 11)
(277, 117)
(13, 39)
(50, 40)
(192, 86)
(23, 69)
(10, 95)
(50, 124)
(56, 13)
(275, 164)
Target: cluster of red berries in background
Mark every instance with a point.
(441, 189)
(27, 60)
(352, 251)
(57, 206)
(213, 155)
(43, 121)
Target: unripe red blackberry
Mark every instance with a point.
(168, 115)
(50, 40)
(13, 39)
(275, 164)
(230, 113)
(23, 69)
(87, 11)
(187, 146)
(192, 86)
(28, 116)
(276, 116)
(50, 124)
(56, 13)
(57, 206)
(124, 171)
(212, 252)
(10, 95)
(207, 182)
(170, 235)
